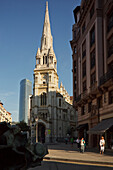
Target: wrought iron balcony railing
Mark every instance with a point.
(107, 76)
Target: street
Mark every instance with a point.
(51, 165)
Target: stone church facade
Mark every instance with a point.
(52, 113)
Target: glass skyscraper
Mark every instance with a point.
(25, 93)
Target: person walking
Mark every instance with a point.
(72, 140)
(102, 145)
(78, 143)
(82, 145)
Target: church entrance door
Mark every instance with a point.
(41, 132)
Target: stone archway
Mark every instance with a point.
(41, 132)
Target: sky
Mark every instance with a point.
(21, 26)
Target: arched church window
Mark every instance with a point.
(43, 59)
(55, 64)
(45, 41)
(36, 79)
(50, 78)
(43, 99)
(51, 59)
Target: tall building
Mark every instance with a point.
(4, 114)
(25, 93)
(54, 116)
(92, 47)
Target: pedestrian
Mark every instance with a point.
(78, 143)
(72, 140)
(102, 145)
(82, 145)
(66, 140)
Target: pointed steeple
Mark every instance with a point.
(46, 40)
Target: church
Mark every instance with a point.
(52, 116)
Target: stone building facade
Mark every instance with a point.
(52, 113)
(92, 47)
(4, 114)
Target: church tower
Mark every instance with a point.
(45, 72)
(50, 105)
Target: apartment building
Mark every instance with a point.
(4, 114)
(92, 47)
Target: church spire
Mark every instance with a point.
(46, 40)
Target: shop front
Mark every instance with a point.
(104, 128)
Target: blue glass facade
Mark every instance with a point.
(25, 92)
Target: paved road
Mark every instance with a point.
(49, 165)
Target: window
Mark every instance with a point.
(92, 11)
(83, 28)
(110, 46)
(43, 99)
(93, 78)
(75, 83)
(75, 50)
(99, 102)
(74, 66)
(59, 102)
(89, 107)
(84, 86)
(55, 64)
(50, 78)
(84, 49)
(74, 96)
(110, 21)
(83, 110)
(64, 116)
(51, 59)
(111, 97)
(92, 59)
(45, 59)
(84, 69)
(36, 79)
(92, 36)
(38, 61)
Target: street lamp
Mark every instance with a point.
(36, 129)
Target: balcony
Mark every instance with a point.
(107, 76)
(93, 87)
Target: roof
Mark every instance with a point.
(103, 126)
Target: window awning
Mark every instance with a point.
(101, 127)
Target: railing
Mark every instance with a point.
(107, 76)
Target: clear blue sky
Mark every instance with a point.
(21, 25)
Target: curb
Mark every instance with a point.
(78, 161)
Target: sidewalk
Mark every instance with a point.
(63, 152)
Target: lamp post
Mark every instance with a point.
(36, 130)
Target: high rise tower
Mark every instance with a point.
(25, 92)
(45, 72)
